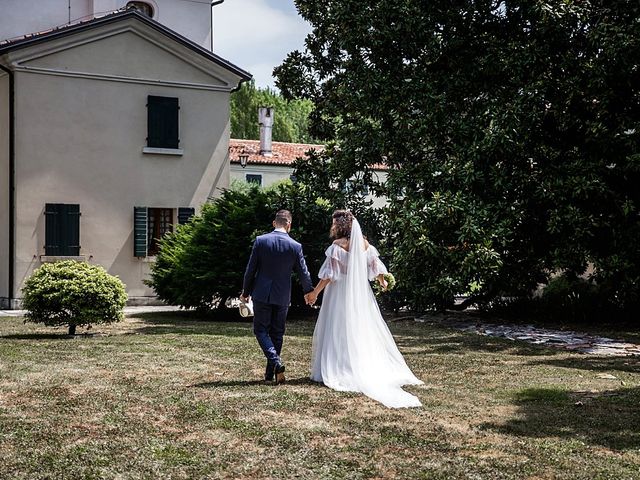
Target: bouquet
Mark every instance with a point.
(391, 283)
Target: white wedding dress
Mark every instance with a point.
(353, 349)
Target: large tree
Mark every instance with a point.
(291, 118)
(511, 130)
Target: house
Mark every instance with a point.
(265, 170)
(112, 130)
(262, 161)
(265, 162)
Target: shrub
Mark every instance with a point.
(73, 293)
(202, 263)
(568, 297)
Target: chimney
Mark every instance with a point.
(265, 119)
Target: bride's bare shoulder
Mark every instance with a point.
(342, 242)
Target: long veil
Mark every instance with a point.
(378, 368)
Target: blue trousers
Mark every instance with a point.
(268, 327)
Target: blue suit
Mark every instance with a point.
(267, 280)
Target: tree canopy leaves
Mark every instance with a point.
(291, 118)
(511, 130)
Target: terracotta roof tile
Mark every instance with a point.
(282, 153)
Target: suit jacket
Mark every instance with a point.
(274, 257)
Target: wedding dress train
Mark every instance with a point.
(353, 349)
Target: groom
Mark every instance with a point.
(268, 280)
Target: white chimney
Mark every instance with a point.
(265, 119)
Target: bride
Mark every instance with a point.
(353, 349)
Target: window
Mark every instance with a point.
(254, 178)
(162, 122)
(151, 224)
(159, 222)
(142, 7)
(356, 186)
(62, 229)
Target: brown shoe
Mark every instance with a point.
(279, 371)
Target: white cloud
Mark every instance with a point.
(257, 36)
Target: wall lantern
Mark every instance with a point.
(243, 159)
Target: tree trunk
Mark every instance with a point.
(72, 329)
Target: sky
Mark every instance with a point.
(257, 35)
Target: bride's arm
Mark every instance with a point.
(313, 295)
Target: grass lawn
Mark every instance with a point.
(164, 396)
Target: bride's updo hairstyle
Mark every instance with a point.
(341, 228)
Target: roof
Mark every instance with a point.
(283, 154)
(118, 15)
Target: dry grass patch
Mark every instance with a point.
(168, 396)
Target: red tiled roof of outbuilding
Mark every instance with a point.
(282, 153)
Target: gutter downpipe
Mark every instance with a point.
(12, 180)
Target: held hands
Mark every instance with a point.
(245, 299)
(311, 297)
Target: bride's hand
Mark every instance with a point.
(383, 283)
(311, 298)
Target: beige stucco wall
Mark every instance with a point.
(270, 173)
(4, 185)
(380, 177)
(275, 173)
(19, 17)
(190, 18)
(104, 58)
(80, 140)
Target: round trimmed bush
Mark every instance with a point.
(73, 293)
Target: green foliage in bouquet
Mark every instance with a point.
(73, 293)
(391, 284)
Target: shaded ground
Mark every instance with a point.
(566, 339)
(162, 395)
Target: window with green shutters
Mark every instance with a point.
(62, 229)
(151, 224)
(162, 122)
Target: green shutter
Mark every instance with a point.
(162, 122)
(71, 230)
(139, 231)
(62, 229)
(52, 221)
(184, 214)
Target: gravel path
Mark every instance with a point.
(567, 340)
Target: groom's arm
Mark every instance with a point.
(250, 272)
(303, 272)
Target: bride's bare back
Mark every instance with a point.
(344, 243)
